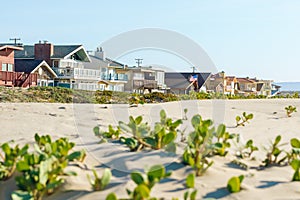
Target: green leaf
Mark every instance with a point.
(142, 190)
(157, 171)
(295, 143)
(169, 137)
(96, 130)
(186, 195)
(277, 140)
(75, 155)
(295, 164)
(105, 178)
(137, 178)
(193, 195)
(234, 184)
(190, 180)
(22, 166)
(111, 196)
(138, 120)
(221, 130)
(241, 178)
(163, 114)
(21, 195)
(237, 118)
(250, 116)
(196, 120)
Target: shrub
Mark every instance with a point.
(43, 170)
(223, 138)
(163, 135)
(11, 156)
(199, 145)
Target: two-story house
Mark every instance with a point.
(11, 73)
(67, 61)
(113, 75)
(141, 79)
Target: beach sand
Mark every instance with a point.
(20, 121)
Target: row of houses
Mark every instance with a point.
(71, 66)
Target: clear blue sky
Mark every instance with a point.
(256, 38)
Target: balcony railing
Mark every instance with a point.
(17, 79)
(115, 77)
(77, 73)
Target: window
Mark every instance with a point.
(10, 67)
(3, 67)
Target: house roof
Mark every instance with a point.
(31, 65)
(59, 52)
(180, 80)
(96, 63)
(5, 46)
(244, 80)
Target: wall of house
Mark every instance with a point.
(7, 57)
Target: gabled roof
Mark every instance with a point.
(30, 66)
(10, 47)
(180, 80)
(59, 52)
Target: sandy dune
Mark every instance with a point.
(20, 122)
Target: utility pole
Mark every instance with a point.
(193, 69)
(138, 61)
(15, 39)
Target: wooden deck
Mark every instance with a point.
(17, 79)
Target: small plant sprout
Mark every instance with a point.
(110, 134)
(146, 182)
(99, 184)
(246, 150)
(274, 152)
(223, 137)
(185, 112)
(199, 145)
(234, 184)
(162, 137)
(241, 120)
(290, 109)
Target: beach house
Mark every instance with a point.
(113, 75)
(145, 79)
(184, 82)
(10, 73)
(67, 61)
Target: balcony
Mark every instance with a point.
(17, 79)
(77, 73)
(115, 77)
(70, 64)
(145, 84)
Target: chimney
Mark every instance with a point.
(43, 51)
(99, 53)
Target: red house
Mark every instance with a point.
(8, 75)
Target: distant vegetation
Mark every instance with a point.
(65, 95)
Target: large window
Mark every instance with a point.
(3, 67)
(10, 67)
